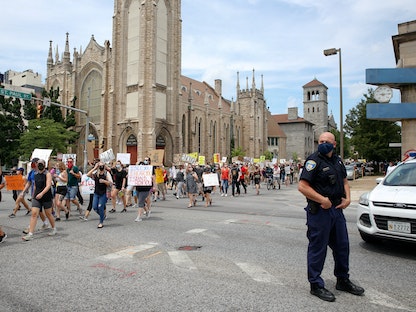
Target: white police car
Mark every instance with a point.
(389, 210)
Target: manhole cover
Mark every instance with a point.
(189, 247)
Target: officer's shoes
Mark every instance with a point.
(344, 284)
(322, 293)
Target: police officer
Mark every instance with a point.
(323, 182)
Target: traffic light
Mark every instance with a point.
(39, 109)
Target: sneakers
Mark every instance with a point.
(44, 227)
(3, 238)
(138, 219)
(53, 232)
(12, 215)
(28, 237)
(67, 215)
(81, 212)
(83, 218)
(26, 231)
(57, 219)
(148, 213)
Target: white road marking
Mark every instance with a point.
(128, 252)
(196, 231)
(231, 221)
(382, 299)
(257, 273)
(181, 259)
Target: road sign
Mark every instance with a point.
(16, 94)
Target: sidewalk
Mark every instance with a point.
(362, 185)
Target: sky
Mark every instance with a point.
(283, 40)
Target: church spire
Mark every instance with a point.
(262, 85)
(67, 56)
(253, 83)
(50, 58)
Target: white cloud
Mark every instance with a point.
(281, 39)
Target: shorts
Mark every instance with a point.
(41, 204)
(61, 190)
(71, 192)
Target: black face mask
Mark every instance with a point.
(101, 168)
(41, 166)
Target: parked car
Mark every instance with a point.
(352, 172)
(389, 210)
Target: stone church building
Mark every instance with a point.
(139, 101)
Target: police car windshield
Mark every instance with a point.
(403, 175)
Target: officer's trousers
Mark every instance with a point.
(327, 228)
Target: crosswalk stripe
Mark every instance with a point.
(128, 252)
(257, 273)
(196, 231)
(181, 259)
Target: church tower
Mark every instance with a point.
(315, 106)
(146, 61)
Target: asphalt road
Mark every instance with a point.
(246, 253)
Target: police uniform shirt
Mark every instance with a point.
(325, 175)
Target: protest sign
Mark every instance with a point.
(210, 179)
(140, 175)
(87, 185)
(107, 156)
(124, 158)
(15, 182)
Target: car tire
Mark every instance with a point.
(369, 238)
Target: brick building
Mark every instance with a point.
(138, 100)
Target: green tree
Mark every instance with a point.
(11, 128)
(238, 151)
(371, 138)
(46, 134)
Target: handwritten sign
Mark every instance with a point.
(87, 185)
(65, 158)
(201, 160)
(15, 183)
(107, 156)
(140, 175)
(41, 154)
(216, 158)
(124, 158)
(156, 157)
(210, 179)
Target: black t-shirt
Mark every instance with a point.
(234, 173)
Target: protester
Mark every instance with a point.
(102, 180)
(191, 187)
(42, 198)
(119, 188)
(20, 199)
(207, 189)
(72, 185)
(225, 178)
(60, 176)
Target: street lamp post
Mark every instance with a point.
(328, 52)
(87, 130)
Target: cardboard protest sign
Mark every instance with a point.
(65, 158)
(15, 182)
(107, 156)
(210, 179)
(124, 158)
(42, 154)
(140, 175)
(201, 160)
(216, 158)
(87, 185)
(156, 157)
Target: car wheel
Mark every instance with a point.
(369, 238)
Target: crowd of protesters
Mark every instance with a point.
(52, 188)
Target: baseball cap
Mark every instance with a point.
(20, 169)
(35, 160)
